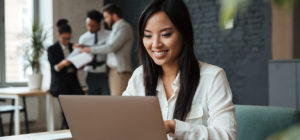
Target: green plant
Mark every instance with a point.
(284, 4)
(291, 133)
(230, 8)
(35, 50)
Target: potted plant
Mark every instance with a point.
(33, 53)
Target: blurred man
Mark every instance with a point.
(118, 49)
(96, 71)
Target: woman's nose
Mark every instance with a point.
(156, 42)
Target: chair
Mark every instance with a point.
(10, 109)
(258, 122)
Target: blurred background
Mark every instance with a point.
(257, 42)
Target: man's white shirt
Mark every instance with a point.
(88, 39)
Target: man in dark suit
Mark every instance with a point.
(63, 74)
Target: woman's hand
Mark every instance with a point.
(170, 126)
(63, 64)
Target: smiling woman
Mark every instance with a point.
(195, 97)
(162, 42)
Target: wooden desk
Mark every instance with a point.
(16, 93)
(62, 135)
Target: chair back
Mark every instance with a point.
(258, 122)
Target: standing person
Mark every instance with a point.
(195, 97)
(96, 71)
(118, 49)
(63, 74)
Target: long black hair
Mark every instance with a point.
(188, 64)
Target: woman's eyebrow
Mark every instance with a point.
(162, 30)
(146, 30)
(166, 29)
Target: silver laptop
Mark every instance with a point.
(113, 117)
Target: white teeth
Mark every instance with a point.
(159, 53)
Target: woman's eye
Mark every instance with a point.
(166, 34)
(147, 36)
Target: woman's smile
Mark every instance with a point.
(160, 54)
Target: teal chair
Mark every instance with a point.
(258, 122)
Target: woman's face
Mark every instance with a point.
(162, 40)
(64, 38)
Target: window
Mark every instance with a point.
(18, 15)
(16, 19)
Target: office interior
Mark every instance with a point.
(259, 49)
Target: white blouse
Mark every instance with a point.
(212, 115)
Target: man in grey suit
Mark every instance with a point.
(118, 49)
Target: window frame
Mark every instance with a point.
(2, 44)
